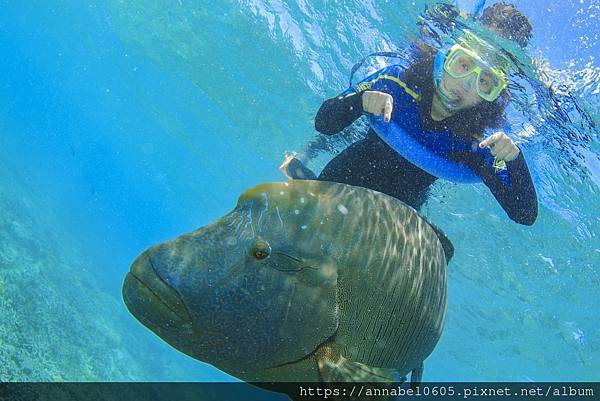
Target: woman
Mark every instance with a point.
(453, 104)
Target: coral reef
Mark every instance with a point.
(57, 324)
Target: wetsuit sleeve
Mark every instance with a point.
(518, 198)
(516, 194)
(339, 112)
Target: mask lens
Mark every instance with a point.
(460, 64)
(487, 82)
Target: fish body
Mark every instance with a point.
(302, 281)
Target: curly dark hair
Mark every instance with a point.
(469, 123)
(509, 22)
(502, 18)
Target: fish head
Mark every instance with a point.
(254, 290)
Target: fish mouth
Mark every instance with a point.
(150, 299)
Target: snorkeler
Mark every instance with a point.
(446, 99)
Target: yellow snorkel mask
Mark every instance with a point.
(474, 56)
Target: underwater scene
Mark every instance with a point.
(150, 232)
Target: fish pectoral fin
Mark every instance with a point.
(336, 368)
(416, 376)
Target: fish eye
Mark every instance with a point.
(260, 250)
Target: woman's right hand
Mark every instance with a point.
(378, 103)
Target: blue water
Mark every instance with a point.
(123, 124)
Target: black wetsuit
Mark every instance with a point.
(371, 163)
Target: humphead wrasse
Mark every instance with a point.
(303, 281)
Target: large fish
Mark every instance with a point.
(302, 281)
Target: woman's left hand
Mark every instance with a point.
(502, 147)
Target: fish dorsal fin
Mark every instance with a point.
(334, 367)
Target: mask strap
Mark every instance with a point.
(362, 60)
(438, 63)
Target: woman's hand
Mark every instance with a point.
(502, 147)
(378, 103)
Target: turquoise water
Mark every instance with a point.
(126, 123)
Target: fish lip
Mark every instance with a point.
(145, 275)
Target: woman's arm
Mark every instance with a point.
(513, 188)
(517, 197)
(339, 112)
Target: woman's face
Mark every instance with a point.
(457, 94)
(467, 79)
